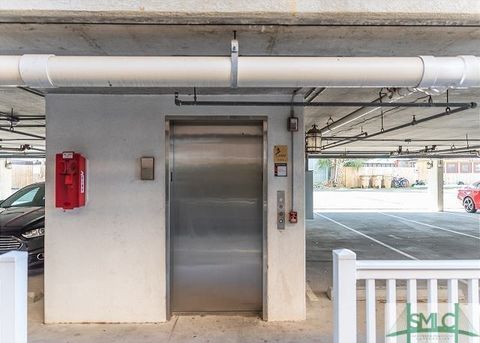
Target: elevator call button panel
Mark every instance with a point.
(281, 210)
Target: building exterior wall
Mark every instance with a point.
(456, 171)
(106, 262)
(5, 180)
(26, 174)
(463, 171)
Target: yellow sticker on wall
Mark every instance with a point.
(280, 154)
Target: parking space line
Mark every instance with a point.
(368, 237)
(463, 216)
(429, 225)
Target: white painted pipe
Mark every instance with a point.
(50, 71)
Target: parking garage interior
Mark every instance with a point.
(109, 262)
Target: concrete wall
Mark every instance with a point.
(254, 6)
(106, 262)
(247, 11)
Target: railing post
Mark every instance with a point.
(473, 308)
(344, 296)
(391, 310)
(13, 296)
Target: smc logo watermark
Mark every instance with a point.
(456, 323)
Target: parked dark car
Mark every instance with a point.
(470, 197)
(22, 223)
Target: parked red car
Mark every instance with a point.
(470, 197)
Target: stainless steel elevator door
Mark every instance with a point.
(216, 216)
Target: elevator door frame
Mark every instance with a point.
(261, 120)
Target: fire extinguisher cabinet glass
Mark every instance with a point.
(70, 180)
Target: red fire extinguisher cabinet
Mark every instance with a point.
(70, 180)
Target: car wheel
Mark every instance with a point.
(469, 205)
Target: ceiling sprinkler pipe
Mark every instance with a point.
(358, 113)
(404, 140)
(18, 155)
(441, 151)
(372, 156)
(395, 128)
(50, 71)
(467, 153)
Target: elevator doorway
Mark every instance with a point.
(216, 216)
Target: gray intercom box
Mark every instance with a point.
(147, 165)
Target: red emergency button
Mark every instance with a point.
(293, 217)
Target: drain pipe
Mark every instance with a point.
(50, 71)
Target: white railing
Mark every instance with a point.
(347, 270)
(13, 297)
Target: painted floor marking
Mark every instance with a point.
(429, 225)
(376, 240)
(311, 294)
(475, 217)
(368, 237)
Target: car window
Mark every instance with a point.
(28, 197)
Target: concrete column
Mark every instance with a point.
(344, 296)
(435, 186)
(13, 296)
(5, 180)
(308, 191)
(128, 293)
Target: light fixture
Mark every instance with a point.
(34, 233)
(313, 140)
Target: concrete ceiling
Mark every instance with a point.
(453, 127)
(28, 109)
(107, 39)
(146, 39)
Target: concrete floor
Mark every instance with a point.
(393, 199)
(381, 235)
